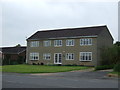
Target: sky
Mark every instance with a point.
(22, 18)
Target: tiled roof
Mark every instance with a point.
(69, 32)
(12, 50)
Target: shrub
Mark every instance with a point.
(110, 55)
(14, 63)
(34, 64)
(20, 59)
(117, 68)
(104, 67)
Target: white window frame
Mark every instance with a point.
(34, 44)
(47, 43)
(85, 54)
(34, 56)
(70, 56)
(85, 41)
(45, 55)
(70, 42)
(58, 58)
(57, 43)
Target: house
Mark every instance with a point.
(10, 55)
(79, 46)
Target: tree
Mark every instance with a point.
(117, 43)
(18, 45)
(111, 55)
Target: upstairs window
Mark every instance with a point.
(34, 44)
(57, 43)
(46, 56)
(47, 43)
(85, 56)
(69, 56)
(34, 56)
(69, 42)
(86, 41)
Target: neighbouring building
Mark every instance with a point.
(10, 55)
(79, 46)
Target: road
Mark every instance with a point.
(77, 79)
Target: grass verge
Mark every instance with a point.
(39, 69)
(115, 73)
(104, 67)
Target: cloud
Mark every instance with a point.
(22, 18)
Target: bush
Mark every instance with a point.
(110, 55)
(104, 67)
(13, 63)
(117, 68)
(20, 59)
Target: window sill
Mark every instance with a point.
(86, 45)
(33, 60)
(57, 46)
(70, 45)
(86, 61)
(69, 59)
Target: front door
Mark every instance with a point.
(57, 58)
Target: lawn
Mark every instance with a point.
(39, 68)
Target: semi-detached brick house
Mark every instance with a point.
(80, 46)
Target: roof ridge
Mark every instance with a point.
(70, 28)
(12, 47)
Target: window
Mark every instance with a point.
(85, 56)
(46, 56)
(69, 56)
(69, 42)
(57, 43)
(86, 41)
(34, 44)
(47, 43)
(57, 58)
(34, 56)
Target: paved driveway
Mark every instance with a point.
(76, 79)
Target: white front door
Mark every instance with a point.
(57, 58)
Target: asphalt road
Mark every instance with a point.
(76, 79)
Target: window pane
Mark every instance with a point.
(60, 57)
(47, 43)
(69, 42)
(55, 58)
(69, 56)
(34, 56)
(87, 41)
(58, 43)
(34, 44)
(46, 56)
(86, 56)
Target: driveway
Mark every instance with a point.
(74, 79)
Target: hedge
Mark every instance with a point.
(117, 68)
(104, 67)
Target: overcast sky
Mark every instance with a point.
(22, 18)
